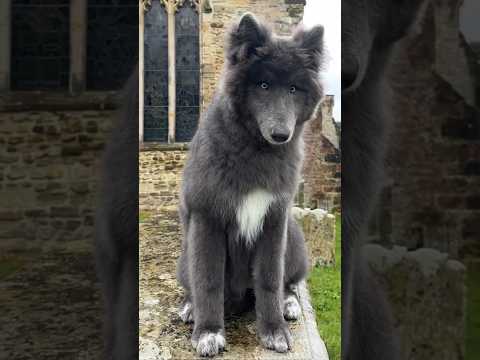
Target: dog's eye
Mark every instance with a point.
(264, 85)
(293, 89)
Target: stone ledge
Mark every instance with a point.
(423, 284)
(158, 146)
(162, 334)
(307, 342)
(18, 101)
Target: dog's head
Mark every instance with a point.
(275, 80)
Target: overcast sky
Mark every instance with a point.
(328, 14)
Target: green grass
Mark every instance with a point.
(324, 284)
(473, 312)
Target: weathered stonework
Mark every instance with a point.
(49, 174)
(162, 335)
(431, 198)
(322, 165)
(160, 174)
(283, 14)
(423, 284)
(319, 230)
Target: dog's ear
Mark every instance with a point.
(245, 37)
(311, 43)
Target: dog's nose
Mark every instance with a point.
(280, 136)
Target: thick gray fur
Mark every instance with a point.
(234, 152)
(370, 28)
(116, 225)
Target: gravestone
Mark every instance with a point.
(319, 230)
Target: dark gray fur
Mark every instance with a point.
(370, 28)
(117, 231)
(232, 153)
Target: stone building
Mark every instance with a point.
(322, 166)
(181, 57)
(62, 63)
(60, 89)
(431, 198)
(175, 96)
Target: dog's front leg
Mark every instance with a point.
(272, 329)
(206, 258)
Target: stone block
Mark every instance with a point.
(319, 230)
(423, 284)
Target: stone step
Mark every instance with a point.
(241, 339)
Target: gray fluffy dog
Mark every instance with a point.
(239, 183)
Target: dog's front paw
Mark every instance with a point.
(276, 338)
(209, 343)
(291, 308)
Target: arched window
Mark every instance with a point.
(187, 66)
(171, 67)
(40, 58)
(112, 42)
(156, 74)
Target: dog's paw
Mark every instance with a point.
(186, 312)
(276, 338)
(291, 308)
(209, 343)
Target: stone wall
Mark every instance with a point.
(322, 166)
(433, 168)
(48, 173)
(160, 176)
(423, 284)
(283, 14)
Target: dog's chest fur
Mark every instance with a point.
(251, 212)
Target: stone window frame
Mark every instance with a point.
(171, 6)
(77, 96)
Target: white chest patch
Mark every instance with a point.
(251, 213)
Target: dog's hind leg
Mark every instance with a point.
(185, 311)
(296, 265)
(238, 297)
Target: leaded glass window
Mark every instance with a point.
(40, 44)
(186, 79)
(187, 67)
(156, 74)
(112, 42)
